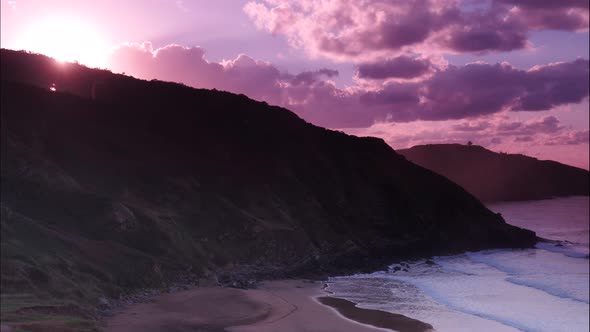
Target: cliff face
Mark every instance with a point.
(112, 183)
(494, 176)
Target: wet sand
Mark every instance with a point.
(376, 318)
(285, 306)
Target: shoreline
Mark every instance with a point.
(282, 305)
(373, 317)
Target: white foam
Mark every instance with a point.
(540, 289)
(384, 292)
(566, 248)
(547, 271)
(477, 289)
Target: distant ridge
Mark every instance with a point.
(492, 176)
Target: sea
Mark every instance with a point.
(539, 289)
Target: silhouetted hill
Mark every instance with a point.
(492, 176)
(113, 183)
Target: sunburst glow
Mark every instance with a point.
(66, 39)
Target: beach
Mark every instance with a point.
(285, 305)
(544, 288)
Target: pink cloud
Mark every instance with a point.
(548, 4)
(453, 92)
(173, 62)
(368, 30)
(482, 32)
(308, 77)
(309, 93)
(486, 132)
(547, 125)
(571, 15)
(544, 137)
(349, 29)
(524, 139)
(571, 138)
(509, 126)
(554, 84)
(176, 63)
(468, 126)
(478, 89)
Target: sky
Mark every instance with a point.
(510, 75)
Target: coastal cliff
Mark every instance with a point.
(110, 184)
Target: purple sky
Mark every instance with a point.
(511, 75)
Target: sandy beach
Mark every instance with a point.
(286, 306)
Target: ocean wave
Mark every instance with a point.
(547, 289)
(466, 284)
(566, 248)
(537, 289)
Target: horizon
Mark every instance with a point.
(509, 75)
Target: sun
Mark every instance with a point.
(66, 39)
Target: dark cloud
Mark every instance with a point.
(398, 67)
(539, 19)
(476, 41)
(368, 30)
(552, 4)
(308, 77)
(570, 15)
(509, 126)
(484, 33)
(496, 140)
(547, 125)
(478, 89)
(555, 84)
(396, 24)
(393, 94)
(461, 92)
(482, 125)
(471, 90)
(572, 138)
